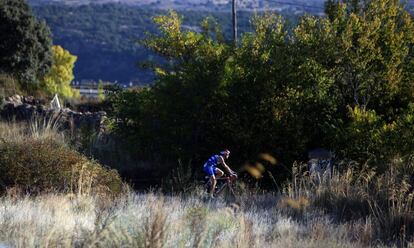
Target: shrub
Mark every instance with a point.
(38, 164)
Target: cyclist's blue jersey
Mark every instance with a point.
(213, 161)
(210, 165)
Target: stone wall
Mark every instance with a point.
(20, 108)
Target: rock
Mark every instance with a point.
(17, 99)
(29, 100)
(25, 108)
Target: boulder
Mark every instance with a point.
(15, 100)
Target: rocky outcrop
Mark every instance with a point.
(21, 108)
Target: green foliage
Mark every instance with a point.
(58, 80)
(272, 86)
(137, 123)
(39, 166)
(366, 51)
(364, 134)
(25, 42)
(343, 82)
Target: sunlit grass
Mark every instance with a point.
(38, 128)
(150, 220)
(351, 208)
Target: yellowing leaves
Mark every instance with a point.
(362, 115)
(58, 80)
(160, 71)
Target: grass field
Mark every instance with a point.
(354, 207)
(152, 220)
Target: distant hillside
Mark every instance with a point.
(105, 37)
(312, 6)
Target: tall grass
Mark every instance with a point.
(352, 208)
(137, 220)
(384, 202)
(8, 86)
(38, 128)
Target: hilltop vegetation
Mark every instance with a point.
(205, 5)
(105, 37)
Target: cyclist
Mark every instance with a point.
(210, 167)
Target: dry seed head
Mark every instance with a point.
(253, 171)
(260, 167)
(269, 158)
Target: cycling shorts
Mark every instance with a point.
(210, 170)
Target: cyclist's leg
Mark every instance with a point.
(210, 171)
(219, 173)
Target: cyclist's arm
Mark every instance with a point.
(226, 167)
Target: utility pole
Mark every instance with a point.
(234, 11)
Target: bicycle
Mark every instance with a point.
(224, 186)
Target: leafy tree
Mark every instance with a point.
(343, 82)
(366, 48)
(189, 84)
(272, 85)
(58, 80)
(25, 44)
(371, 54)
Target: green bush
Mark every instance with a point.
(39, 165)
(278, 91)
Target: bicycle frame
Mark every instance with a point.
(228, 181)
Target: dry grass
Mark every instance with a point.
(35, 158)
(137, 220)
(8, 86)
(380, 205)
(38, 128)
(354, 208)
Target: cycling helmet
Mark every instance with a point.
(225, 152)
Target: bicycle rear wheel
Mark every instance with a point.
(227, 193)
